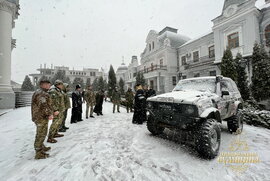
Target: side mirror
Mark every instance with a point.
(225, 93)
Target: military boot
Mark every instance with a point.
(51, 140)
(58, 135)
(44, 148)
(41, 155)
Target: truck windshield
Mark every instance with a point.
(204, 85)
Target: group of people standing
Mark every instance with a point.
(52, 103)
(49, 103)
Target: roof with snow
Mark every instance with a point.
(197, 38)
(176, 40)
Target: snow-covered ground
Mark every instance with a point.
(112, 148)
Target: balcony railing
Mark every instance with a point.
(153, 68)
(202, 61)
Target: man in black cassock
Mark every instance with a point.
(139, 115)
(99, 102)
(76, 114)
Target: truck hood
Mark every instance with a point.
(184, 97)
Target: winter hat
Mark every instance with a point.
(78, 86)
(44, 81)
(58, 82)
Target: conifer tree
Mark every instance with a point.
(95, 84)
(112, 81)
(27, 84)
(121, 86)
(228, 68)
(260, 73)
(105, 85)
(241, 80)
(140, 79)
(100, 83)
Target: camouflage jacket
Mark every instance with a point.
(58, 99)
(41, 106)
(67, 101)
(129, 96)
(116, 96)
(90, 97)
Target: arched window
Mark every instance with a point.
(267, 35)
(149, 47)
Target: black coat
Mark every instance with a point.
(139, 115)
(76, 114)
(99, 102)
(77, 100)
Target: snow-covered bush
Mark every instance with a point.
(256, 117)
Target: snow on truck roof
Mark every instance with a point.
(207, 77)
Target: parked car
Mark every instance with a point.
(197, 106)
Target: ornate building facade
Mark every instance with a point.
(8, 14)
(169, 57)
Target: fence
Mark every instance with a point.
(23, 98)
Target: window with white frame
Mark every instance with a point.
(211, 50)
(183, 60)
(161, 62)
(233, 40)
(196, 56)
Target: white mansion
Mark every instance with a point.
(169, 56)
(86, 73)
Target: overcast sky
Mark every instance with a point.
(97, 33)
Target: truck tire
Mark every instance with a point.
(153, 127)
(208, 139)
(235, 123)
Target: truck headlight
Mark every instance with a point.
(190, 110)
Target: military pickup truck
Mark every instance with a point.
(197, 107)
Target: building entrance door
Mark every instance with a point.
(152, 83)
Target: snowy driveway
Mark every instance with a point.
(111, 148)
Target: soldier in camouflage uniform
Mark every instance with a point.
(58, 105)
(90, 99)
(116, 98)
(63, 127)
(42, 112)
(129, 100)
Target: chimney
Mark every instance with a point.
(51, 66)
(40, 66)
(44, 65)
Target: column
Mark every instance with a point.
(8, 12)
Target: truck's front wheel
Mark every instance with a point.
(208, 139)
(235, 123)
(153, 127)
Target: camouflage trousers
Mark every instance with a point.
(129, 106)
(116, 104)
(41, 133)
(63, 124)
(56, 123)
(91, 106)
